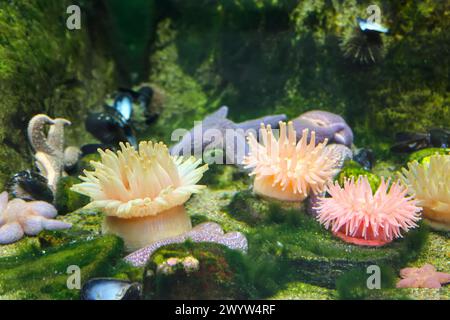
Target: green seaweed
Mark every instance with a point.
(423, 154)
(215, 279)
(43, 274)
(352, 170)
(45, 68)
(67, 200)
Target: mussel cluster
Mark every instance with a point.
(412, 141)
(118, 122)
(29, 185)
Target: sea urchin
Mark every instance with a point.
(358, 216)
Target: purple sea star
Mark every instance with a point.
(425, 277)
(213, 132)
(205, 232)
(18, 217)
(327, 125)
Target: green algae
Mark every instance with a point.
(352, 284)
(45, 68)
(210, 205)
(67, 200)
(86, 220)
(304, 291)
(421, 155)
(220, 176)
(318, 258)
(287, 234)
(216, 278)
(352, 170)
(43, 274)
(255, 210)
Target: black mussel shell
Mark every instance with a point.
(29, 186)
(93, 148)
(123, 104)
(409, 142)
(110, 289)
(109, 128)
(365, 157)
(439, 138)
(145, 96)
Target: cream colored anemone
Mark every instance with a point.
(430, 184)
(142, 192)
(288, 170)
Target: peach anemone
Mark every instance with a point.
(142, 192)
(429, 182)
(288, 170)
(358, 216)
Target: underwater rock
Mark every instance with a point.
(18, 218)
(87, 221)
(365, 157)
(110, 289)
(255, 210)
(211, 133)
(29, 185)
(42, 273)
(362, 216)
(425, 277)
(205, 232)
(352, 169)
(340, 154)
(147, 207)
(49, 149)
(326, 125)
(364, 44)
(217, 273)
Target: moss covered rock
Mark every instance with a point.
(424, 154)
(210, 205)
(215, 273)
(304, 291)
(42, 274)
(67, 200)
(45, 68)
(353, 170)
(256, 210)
(318, 258)
(89, 221)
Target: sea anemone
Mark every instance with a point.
(358, 216)
(288, 170)
(429, 182)
(142, 192)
